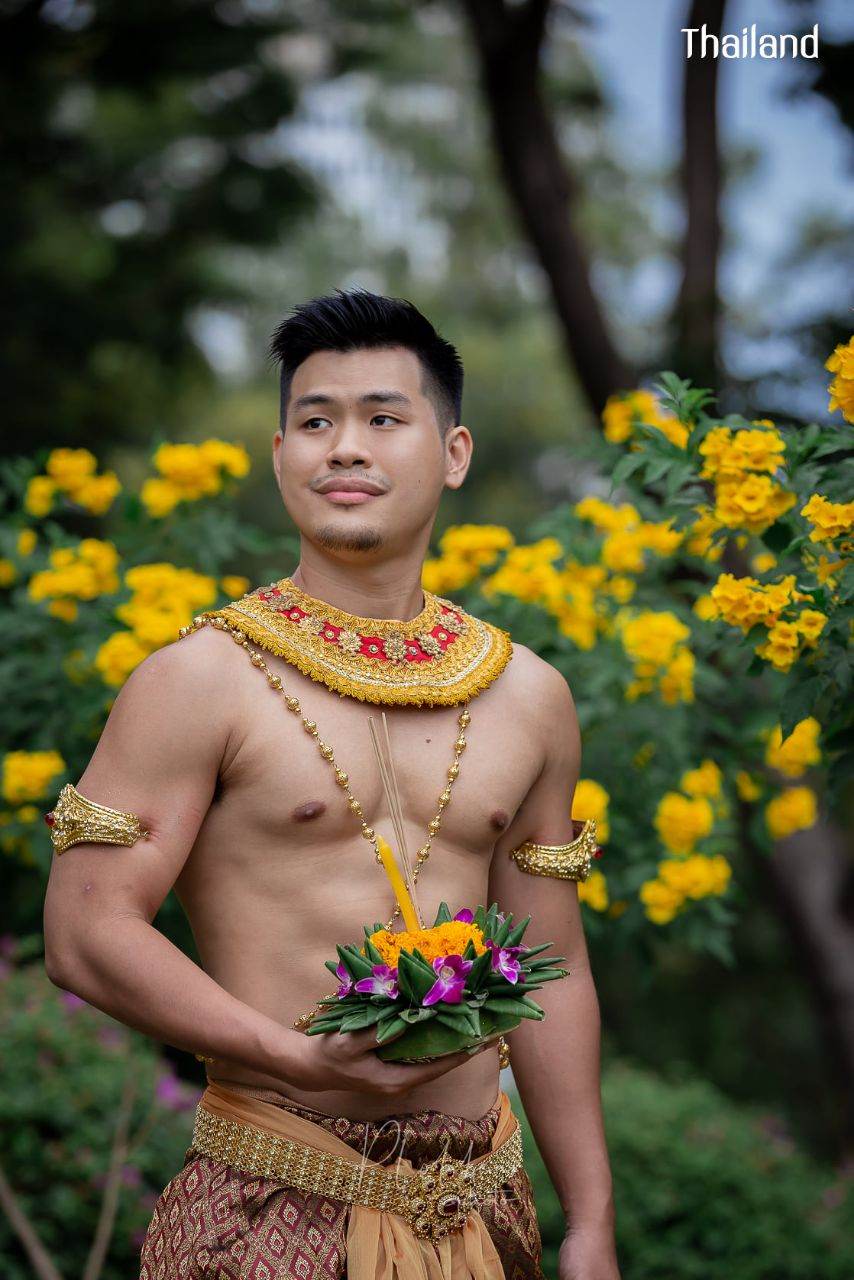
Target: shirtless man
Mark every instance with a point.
(249, 825)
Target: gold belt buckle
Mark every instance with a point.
(441, 1195)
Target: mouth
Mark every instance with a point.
(349, 497)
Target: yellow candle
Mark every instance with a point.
(398, 884)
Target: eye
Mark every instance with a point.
(387, 417)
(309, 421)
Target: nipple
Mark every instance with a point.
(311, 809)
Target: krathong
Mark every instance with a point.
(430, 992)
(463, 981)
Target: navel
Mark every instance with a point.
(499, 819)
(311, 809)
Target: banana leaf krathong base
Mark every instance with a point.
(461, 983)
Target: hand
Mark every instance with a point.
(588, 1253)
(348, 1060)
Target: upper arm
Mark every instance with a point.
(158, 757)
(545, 816)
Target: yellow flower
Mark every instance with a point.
(743, 602)
(782, 647)
(38, 498)
(829, 519)
(623, 410)
(622, 552)
(841, 362)
(445, 939)
(68, 468)
(606, 517)
(794, 809)
(682, 821)
(696, 876)
(729, 453)
(447, 573)
(27, 775)
(590, 800)
(661, 901)
(232, 458)
(118, 656)
(159, 497)
(705, 608)
(594, 891)
(8, 572)
(193, 473)
(676, 684)
(26, 543)
(67, 610)
(841, 359)
(810, 623)
(750, 501)
(764, 562)
(478, 544)
(746, 786)
(97, 493)
(697, 538)
(703, 781)
(800, 750)
(234, 586)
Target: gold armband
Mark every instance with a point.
(565, 861)
(76, 820)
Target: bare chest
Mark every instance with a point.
(279, 797)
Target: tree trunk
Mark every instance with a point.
(696, 318)
(508, 42)
(813, 878)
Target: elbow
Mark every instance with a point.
(60, 964)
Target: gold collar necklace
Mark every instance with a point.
(442, 657)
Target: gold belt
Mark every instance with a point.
(435, 1199)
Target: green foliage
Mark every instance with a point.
(137, 152)
(705, 1189)
(67, 1074)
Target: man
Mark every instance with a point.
(243, 753)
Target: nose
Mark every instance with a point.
(349, 448)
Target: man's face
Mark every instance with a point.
(361, 416)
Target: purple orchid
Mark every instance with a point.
(504, 961)
(345, 980)
(451, 980)
(383, 982)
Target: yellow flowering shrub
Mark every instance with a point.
(86, 610)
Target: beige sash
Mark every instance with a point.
(382, 1245)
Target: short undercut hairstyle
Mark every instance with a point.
(353, 319)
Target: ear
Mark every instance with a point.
(459, 446)
(278, 438)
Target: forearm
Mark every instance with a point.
(556, 1066)
(131, 971)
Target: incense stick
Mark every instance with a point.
(385, 761)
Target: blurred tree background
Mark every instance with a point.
(178, 175)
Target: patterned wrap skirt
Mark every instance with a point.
(214, 1222)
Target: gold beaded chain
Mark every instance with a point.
(343, 781)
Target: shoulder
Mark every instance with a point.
(198, 669)
(541, 684)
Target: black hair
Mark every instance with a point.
(357, 318)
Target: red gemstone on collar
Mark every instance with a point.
(49, 818)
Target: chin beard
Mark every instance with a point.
(334, 538)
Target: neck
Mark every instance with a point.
(379, 595)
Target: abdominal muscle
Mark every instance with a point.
(269, 949)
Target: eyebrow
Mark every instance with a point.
(370, 397)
